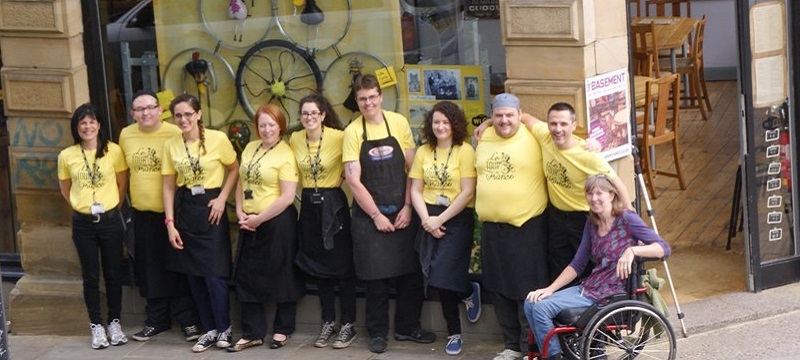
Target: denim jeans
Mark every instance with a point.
(540, 315)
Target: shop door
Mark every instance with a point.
(768, 82)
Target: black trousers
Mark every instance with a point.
(511, 317)
(161, 311)
(408, 305)
(449, 301)
(95, 243)
(347, 299)
(565, 231)
(254, 319)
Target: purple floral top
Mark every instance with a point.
(605, 251)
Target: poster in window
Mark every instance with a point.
(608, 108)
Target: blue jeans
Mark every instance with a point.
(540, 315)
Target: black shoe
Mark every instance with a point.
(148, 332)
(191, 332)
(417, 336)
(377, 345)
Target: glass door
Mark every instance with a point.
(767, 83)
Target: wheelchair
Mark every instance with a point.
(620, 326)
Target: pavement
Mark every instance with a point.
(703, 319)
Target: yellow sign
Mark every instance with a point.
(386, 76)
(164, 98)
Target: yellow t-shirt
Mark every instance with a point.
(266, 170)
(330, 158)
(71, 165)
(398, 125)
(144, 153)
(461, 164)
(567, 170)
(511, 186)
(211, 172)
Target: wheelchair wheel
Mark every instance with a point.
(629, 329)
(571, 345)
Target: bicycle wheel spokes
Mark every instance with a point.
(233, 33)
(275, 71)
(340, 75)
(329, 27)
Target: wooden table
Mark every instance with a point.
(671, 33)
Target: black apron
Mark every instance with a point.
(206, 248)
(445, 261)
(323, 231)
(265, 271)
(152, 253)
(380, 255)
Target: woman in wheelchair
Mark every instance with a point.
(612, 238)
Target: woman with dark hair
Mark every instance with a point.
(92, 176)
(612, 238)
(442, 191)
(196, 189)
(326, 248)
(265, 270)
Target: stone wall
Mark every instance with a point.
(44, 78)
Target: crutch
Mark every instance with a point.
(638, 170)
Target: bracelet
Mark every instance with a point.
(375, 214)
(632, 251)
(168, 221)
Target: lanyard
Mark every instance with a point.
(443, 176)
(194, 163)
(315, 163)
(93, 172)
(253, 162)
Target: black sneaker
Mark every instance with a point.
(377, 345)
(205, 341)
(224, 339)
(417, 336)
(346, 336)
(148, 332)
(191, 332)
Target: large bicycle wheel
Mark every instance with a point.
(314, 26)
(339, 76)
(628, 330)
(275, 71)
(236, 34)
(216, 99)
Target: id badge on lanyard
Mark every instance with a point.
(198, 190)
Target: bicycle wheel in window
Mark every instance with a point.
(339, 76)
(313, 25)
(207, 76)
(236, 25)
(276, 71)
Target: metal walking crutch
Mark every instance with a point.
(638, 170)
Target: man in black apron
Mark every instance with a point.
(378, 150)
(510, 199)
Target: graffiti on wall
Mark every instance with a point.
(27, 132)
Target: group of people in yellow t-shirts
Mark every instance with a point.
(410, 226)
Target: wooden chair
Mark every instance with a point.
(692, 65)
(676, 7)
(638, 5)
(643, 41)
(663, 128)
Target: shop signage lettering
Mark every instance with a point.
(606, 81)
(484, 9)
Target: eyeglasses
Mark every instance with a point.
(148, 107)
(186, 115)
(310, 114)
(370, 98)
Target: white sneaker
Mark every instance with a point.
(99, 340)
(116, 334)
(508, 354)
